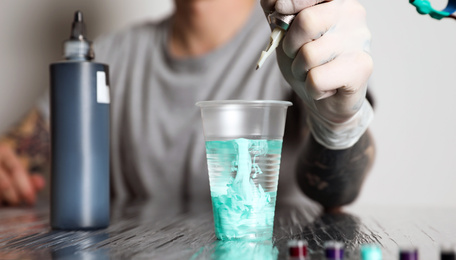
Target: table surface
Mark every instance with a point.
(148, 230)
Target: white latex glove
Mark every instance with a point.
(324, 56)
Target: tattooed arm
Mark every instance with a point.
(334, 178)
(24, 152)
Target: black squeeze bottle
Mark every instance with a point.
(80, 100)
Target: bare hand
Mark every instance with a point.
(17, 185)
(324, 55)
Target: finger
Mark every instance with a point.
(7, 192)
(19, 176)
(346, 75)
(314, 54)
(37, 181)
(295, 6)
(309, 25)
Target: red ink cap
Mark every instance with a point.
(297, 249)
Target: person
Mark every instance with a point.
(208, 50)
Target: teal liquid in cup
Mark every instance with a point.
(243, 175)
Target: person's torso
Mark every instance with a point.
(158, 147)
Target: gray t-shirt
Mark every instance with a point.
(158, 148)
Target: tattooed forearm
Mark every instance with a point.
(333, 178)
(31, 141)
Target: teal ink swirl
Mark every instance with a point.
(243, 176)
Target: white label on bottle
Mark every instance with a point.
(102, 88)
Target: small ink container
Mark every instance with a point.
(371, 252)
(334, 250)
(448, 252)
(408, 254)
(297, 250)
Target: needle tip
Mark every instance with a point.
(276, 36)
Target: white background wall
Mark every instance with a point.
(415, 126)
(414, 83)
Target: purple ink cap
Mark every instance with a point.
(297, 249)
(409, 254)
(334, 250)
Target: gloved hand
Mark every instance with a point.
(324, 56)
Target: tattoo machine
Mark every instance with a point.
(280, 23)
(424, 7)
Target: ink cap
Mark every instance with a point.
(408, 253)
(448, 252)
(297, 249)
(334, 250)
(371, 252)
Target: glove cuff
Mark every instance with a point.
(338, 136)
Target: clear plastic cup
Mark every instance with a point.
(243, 148)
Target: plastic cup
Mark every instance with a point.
(243, 148)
